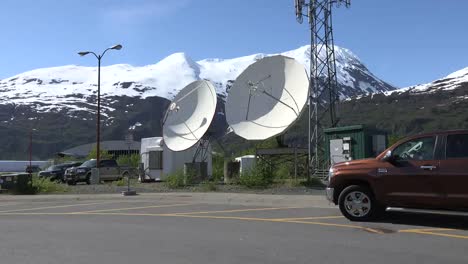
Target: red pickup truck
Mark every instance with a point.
(427, 171)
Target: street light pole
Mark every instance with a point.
(98, 122)
(129, 141)
(30, 153)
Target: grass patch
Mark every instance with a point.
(290, 183)
(302, 182)
(313, 182)
(121, 182)
(208, 186)
(178, 180)
(43, 186)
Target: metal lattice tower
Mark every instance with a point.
(323, 86)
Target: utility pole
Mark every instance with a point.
(323, 85)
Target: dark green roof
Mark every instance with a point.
(344, 129)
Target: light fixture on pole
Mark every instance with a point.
(129, 142)
(129, 136)
(98, 122)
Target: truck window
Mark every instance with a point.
(416, 149)
(457, 146)
(108, 163)
(155, 160)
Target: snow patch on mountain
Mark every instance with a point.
(448, 83)
(74, 88)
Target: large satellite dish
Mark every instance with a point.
(189, 115)
(267, 98)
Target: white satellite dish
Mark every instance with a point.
(189, 115)
(267, 98)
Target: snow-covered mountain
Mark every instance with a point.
(450, 82)
(73, 88)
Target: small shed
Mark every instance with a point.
(159, 161)
(247, 163)
(354, 142)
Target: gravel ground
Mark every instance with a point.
(158, 187)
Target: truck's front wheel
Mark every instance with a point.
(71, 182)
(357, 203)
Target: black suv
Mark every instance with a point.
(56, 172)
(109, 170)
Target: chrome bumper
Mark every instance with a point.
(329, 192)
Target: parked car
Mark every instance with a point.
(56, 172)
(428, 171)
(32, 169)
(109, 170)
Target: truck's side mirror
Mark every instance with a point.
(388, 156)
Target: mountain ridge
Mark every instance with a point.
(73, 87)
(61, 104)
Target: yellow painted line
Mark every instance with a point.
(186, 216)
(437, 234)
(131, 208)
(240, 210)
(326, 224)
(56, 206)
(34, 213)
(209, 217)
(310, 218)
(1, 205)
(375, 231)
(425, 230)
(234, 218)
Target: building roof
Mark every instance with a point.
(344, 128)
(110, 145)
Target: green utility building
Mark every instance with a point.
(353, 142)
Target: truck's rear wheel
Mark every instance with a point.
(357, 203)
(71, 182)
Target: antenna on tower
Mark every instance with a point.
(323, 86)
(298, 4)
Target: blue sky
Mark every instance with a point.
(402, 42)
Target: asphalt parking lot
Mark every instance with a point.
(187, 231)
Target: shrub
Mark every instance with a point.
(259, 177)
(121, 182)
(218, 167)
(177, 180)
(283, 170)
(208, 186)
(102, 154)
(44, 185)
(131, 161)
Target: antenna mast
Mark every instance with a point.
(323, 85)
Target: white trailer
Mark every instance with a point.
(247, 163)
(159, 161)
(20, 165)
